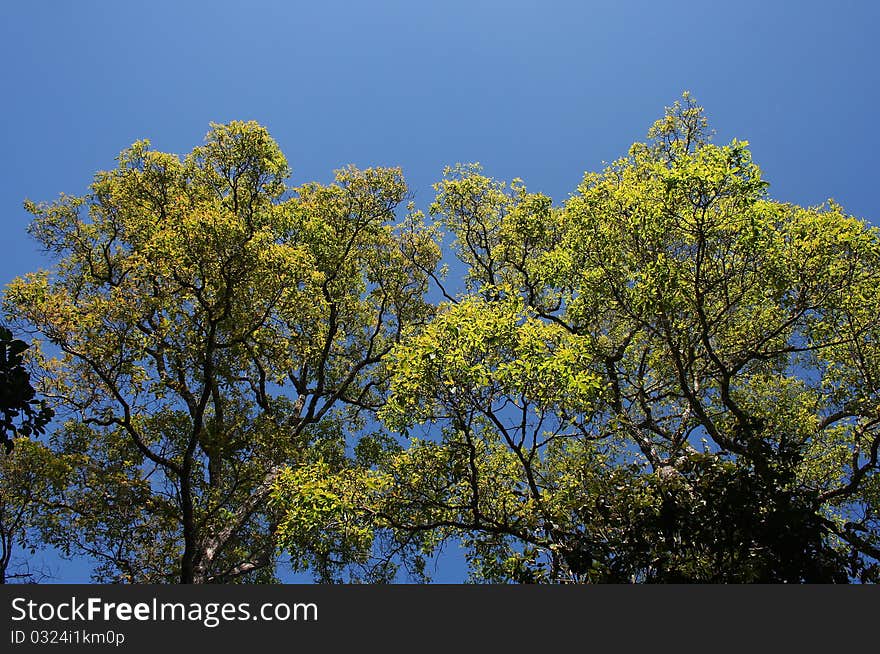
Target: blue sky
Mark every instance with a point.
(540, 90)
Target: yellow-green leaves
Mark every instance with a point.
(31, 477)
(327, 515)
(222, 325)
(668, 377)
(481, 352)
(669, 345)
(504, 234)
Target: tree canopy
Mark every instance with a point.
(670, 377)
(213, 327)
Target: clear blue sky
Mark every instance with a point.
(540, 90)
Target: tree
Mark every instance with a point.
(215, 328)
(22, 413)
(30, 478)
(24, 480)
(671, 377)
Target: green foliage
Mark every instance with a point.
(326, 523)
(21, 414)
(31, 476)
(672, 377)
(485, 352)
(669, 378)
(214, 326)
